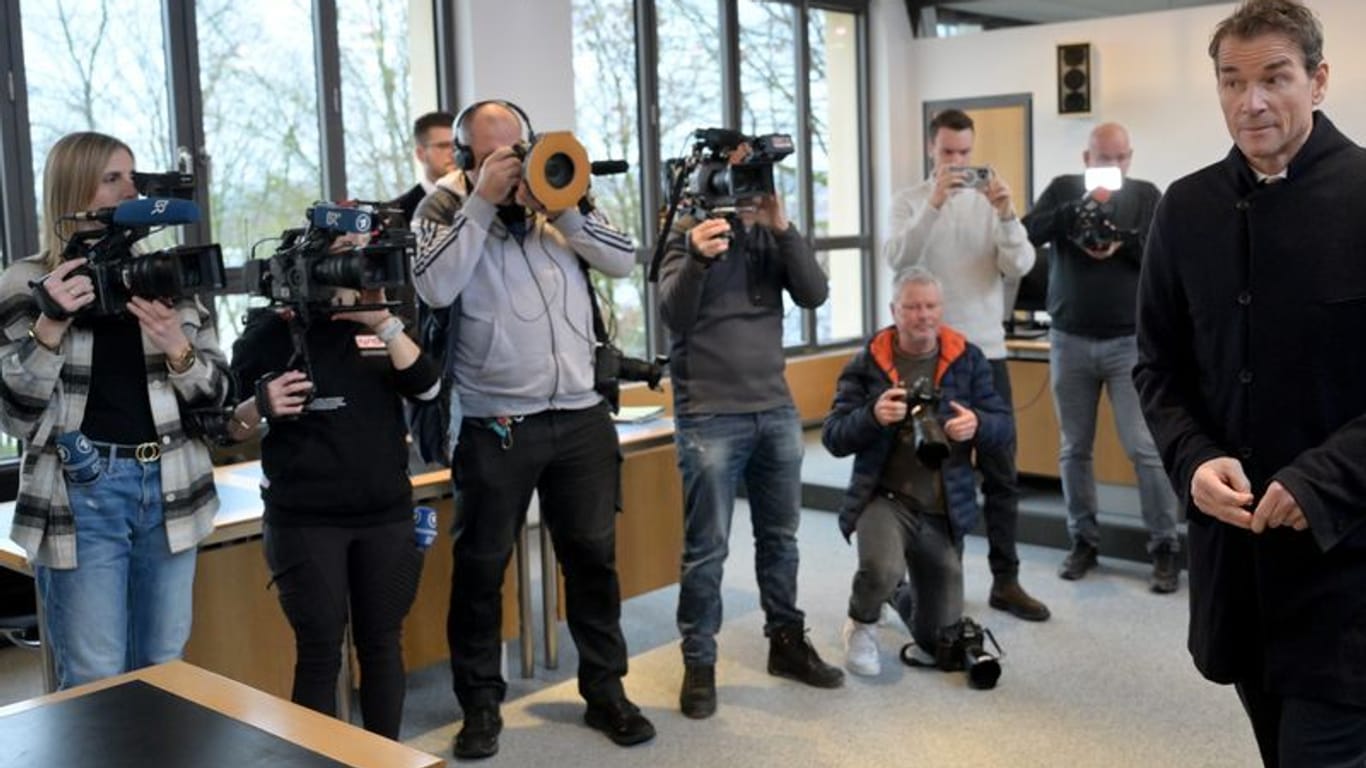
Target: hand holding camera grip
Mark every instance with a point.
(46, 304)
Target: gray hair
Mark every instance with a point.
(918, 275)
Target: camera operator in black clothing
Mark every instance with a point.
(339, 535)
(1098, 236)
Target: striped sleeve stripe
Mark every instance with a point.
(609, 237)
(429, 252)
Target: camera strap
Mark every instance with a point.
(599, 327)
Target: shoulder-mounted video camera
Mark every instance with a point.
(706, 183)
(306, 270)
(118, 272)
(922, 417)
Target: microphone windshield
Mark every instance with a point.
(155, 212)
(608, 167)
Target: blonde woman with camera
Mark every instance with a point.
(113, 495)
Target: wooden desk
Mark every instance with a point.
(239, 630)
(325, 735)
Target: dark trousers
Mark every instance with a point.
(1293, 732)
(320, 572)
(1001, 489)
(570, 458)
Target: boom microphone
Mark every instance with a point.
(144, 212)
(608, 167)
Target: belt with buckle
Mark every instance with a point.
(145, 453)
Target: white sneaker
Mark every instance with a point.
(860, 648)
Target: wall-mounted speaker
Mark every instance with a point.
(1074, 79)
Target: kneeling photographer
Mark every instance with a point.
(330, 367)
(912, 494)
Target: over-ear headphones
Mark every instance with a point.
(464, 156)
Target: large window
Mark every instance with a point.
(376, 97)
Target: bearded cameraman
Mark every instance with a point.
(908, 515)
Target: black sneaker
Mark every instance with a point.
(621, 721)
(697, 698)
(478, 737)
(1081, 559)
(790, 654)
(1008, 595)
(1166, 569)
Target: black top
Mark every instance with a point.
(1251, 311)
(345, 460)
(117, 409)
(919, 485)
(1088, 296)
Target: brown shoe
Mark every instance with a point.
(1008, 595)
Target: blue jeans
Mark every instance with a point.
(127, 604)
(1079, 366)
(714, 452)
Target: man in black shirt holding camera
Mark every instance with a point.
(1097, 231)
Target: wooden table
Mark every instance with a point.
(239, 630)
(308, 729)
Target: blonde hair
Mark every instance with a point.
(71, 177)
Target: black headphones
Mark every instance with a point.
(464, 156)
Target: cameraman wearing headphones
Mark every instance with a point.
(910, 514)
(721, 286)
(523, 369)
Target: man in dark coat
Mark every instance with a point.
(1251, 301)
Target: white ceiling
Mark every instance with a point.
(1044, 11)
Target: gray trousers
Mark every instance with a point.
(891, 540)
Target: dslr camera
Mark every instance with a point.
(922, 417)
(611, 367)
(1092, 229)
(960, 646)
(304, 270)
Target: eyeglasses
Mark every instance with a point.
(444, 146)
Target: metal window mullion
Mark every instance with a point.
(328, 64)
(866, 212)
(187, 109)
(447, 82)
(20, 214)
(651, 192)
(805, 189)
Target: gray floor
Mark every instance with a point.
(1105, 682)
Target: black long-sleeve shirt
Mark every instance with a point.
(344, 461)
(1093, 297)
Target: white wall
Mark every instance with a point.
(520, 51)
(1151, 72)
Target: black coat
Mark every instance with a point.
(1252, 312)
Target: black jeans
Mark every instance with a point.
(317, 571)
(571, 458)
(1292, 731)
(1001, 489)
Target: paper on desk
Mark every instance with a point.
(634, 414)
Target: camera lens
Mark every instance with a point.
(559, 170)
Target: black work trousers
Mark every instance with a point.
(571, 459)
(1001, 490)
(1303, 732)
(324, 574)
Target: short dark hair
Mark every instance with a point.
(429, 121)
(1290, 18)
(952, 119)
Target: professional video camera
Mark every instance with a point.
(960, 646)
(922, 416)
(305, 271)
(119, 273)
(706, 183)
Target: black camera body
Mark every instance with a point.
(176, 184)
(922, 416)
(961, 647)
(304, 270)
(171, 273)
(716, 183)
(1092, 229)
(611, 367)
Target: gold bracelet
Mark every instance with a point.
(181, 362)
(33, 334)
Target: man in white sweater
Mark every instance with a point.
(961, 225)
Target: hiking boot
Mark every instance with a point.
(1008, 595)
(1081, 559)
(1166, 569)
(621, 721)
(697, 699)
(860, 648)
(790, 654)
(478, 737)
